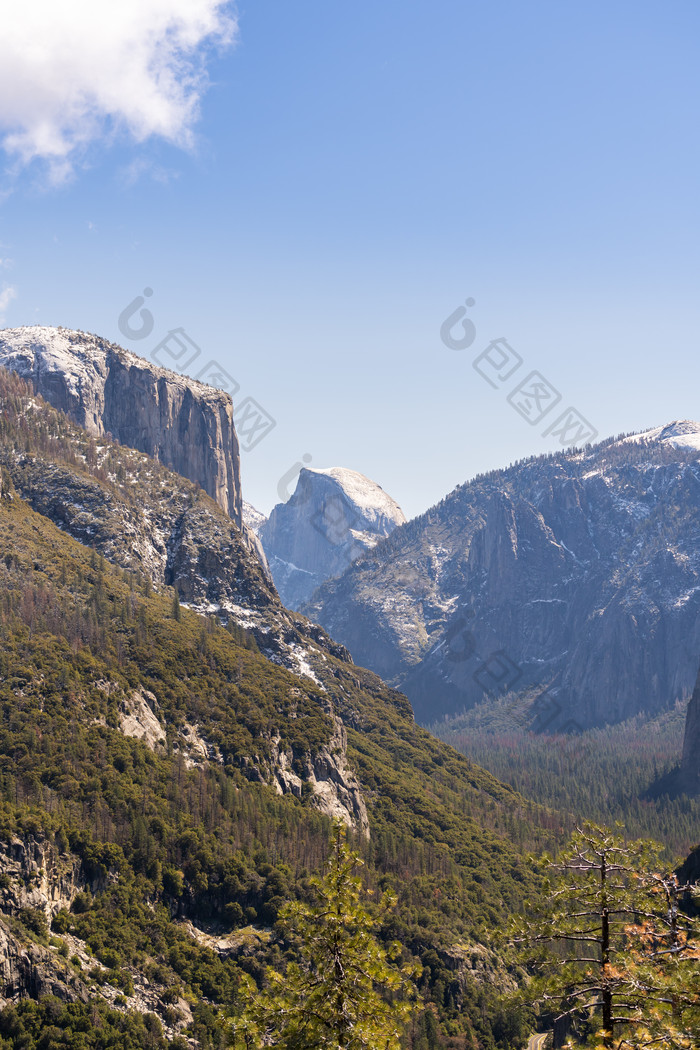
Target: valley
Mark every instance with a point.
(175, 743)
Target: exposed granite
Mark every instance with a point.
(186, 425)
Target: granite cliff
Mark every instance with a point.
(333, 517)
(186, 425)
(574, 577)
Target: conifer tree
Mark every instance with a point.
(344, 991)
(607, 941)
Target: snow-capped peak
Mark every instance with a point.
(252, 518)
(77, 356)
(366, 495)
(681, 433)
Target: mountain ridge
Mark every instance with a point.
(531, 578)
(106, 389)
(175, 769)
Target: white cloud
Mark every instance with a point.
(7, 294)
(75, 71)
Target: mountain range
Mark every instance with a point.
(572, 578)
(174, 739)
(173, 743)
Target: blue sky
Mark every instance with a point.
(354, 173)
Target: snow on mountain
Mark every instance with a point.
(187, 425)
(682, 433)
(252, 518)
(574, 576)
(78, 357)
(374, 504)
(333, 516)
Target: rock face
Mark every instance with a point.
(137, 718)
(38, 876)
(107, 390)
(574, 576)
(690, 762)
(154, 523)
(335, 789)
(333, 517)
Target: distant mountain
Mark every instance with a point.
(573, 578)
(333, 517)
(252, 517)
(186, 425)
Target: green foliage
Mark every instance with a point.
(607, 940)
(53, 1025)
(344, 991)
(163, 835)
(603, 775)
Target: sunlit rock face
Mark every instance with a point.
(333, 517)
(186, 425)
(574, 577)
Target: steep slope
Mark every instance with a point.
(165, 777)
(149, 521)
(574, 576)
(333, 516)
(161, 776)
(186, 425)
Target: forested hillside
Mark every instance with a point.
(165, 787)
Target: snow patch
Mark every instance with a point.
(369, 497)
(682, 433)
(252, 517)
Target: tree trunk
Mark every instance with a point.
(605, 958)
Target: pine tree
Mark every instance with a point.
(607, 939)
(344, 991)
(663, 963)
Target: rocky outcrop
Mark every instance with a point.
(37, 876)
(186, 425)
(574, 577)
(31, 971)
(137, 718)
(152, 524)
(334, 787)
(333, 517)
